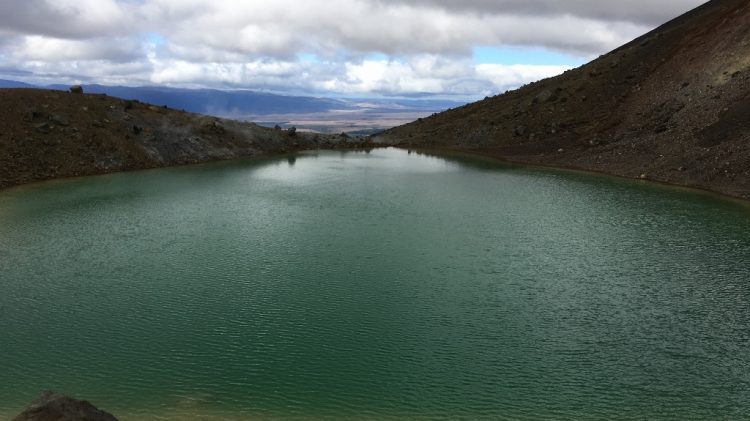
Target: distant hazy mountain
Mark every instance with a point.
(14, 84)
(242, 103)
(216, 102)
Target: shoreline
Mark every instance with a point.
(272, 156)
(49, 135)
(573, 169)
(10, 188)
(444, 151)
(664, 107)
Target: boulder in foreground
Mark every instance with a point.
(51, 406)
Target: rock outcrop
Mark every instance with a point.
(670, 106)
(51, 406)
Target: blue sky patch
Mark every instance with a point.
(155, 38)
(524, 55)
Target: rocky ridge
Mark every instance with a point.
(671, 106)
(51, 134)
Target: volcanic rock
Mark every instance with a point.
(51, 406)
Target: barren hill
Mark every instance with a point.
(671, 106)
(48, 134)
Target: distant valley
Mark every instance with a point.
(356, 116)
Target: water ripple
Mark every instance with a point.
(364, 288)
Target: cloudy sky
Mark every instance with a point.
(450, 48)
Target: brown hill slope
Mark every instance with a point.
(671, 106)
(49, 134)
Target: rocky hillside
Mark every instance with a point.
(671, 106)
(50, 134)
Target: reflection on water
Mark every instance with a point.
(375, 284)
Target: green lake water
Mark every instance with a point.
(375, 286)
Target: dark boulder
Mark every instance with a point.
(60, 120)
(51, 406)
(43, 128)
(544, 96)
(76, 89)
(214, 127)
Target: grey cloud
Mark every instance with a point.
(642, 12)
(365, 27)
(254, 43)
(43, 49)
(64, 19)
(14, 72)
(205, 30)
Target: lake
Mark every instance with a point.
(385, 285)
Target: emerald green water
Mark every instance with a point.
(375, 286)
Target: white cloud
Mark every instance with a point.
(39, 48)
(427, 44)
(510, 76)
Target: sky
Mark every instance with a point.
(442, 48)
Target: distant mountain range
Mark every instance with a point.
(14, 84)
(243, 103)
